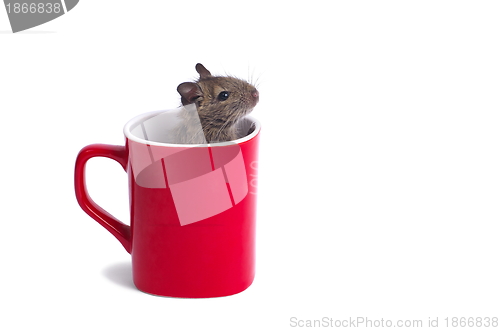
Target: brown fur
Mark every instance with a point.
(218, 117)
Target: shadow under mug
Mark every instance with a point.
(192, 208)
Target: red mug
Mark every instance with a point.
(192, 208)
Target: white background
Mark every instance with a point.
(379, 186)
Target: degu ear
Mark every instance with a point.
(189, 92)
(204, 73)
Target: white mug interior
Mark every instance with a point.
(157, 127)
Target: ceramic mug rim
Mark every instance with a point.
(133, 122)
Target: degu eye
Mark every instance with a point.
(223, 96)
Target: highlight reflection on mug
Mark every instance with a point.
(204, 181)
(25, 14)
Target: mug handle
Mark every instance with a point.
(118, 153)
